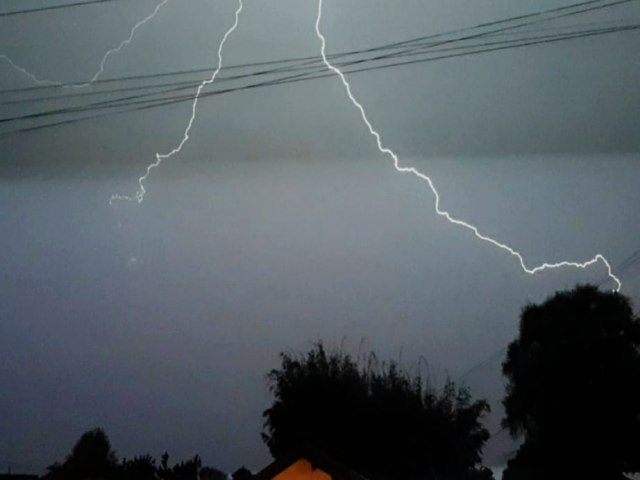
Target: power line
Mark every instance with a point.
(558, 12)
(422, 49)
(415, 42)
(626, 264)
(143, 102)
(52, 7)
(485, 361)
(184, 84)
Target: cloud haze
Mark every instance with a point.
(280, 223)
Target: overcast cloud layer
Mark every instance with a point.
(280, 223)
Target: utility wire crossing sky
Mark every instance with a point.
(140, 194)
(420, 50)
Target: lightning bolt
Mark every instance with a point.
(103, 62)
(443, 213)
(160, 157)
(27, 73)
(139, 195)
(123, 44)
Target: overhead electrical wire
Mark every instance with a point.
(569, 31)
(624, 266)
(540, 16)
(504, 35)
(52, 7)
(307, 73)
(142, 102)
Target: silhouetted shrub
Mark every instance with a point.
(380, 421)
(574, 387)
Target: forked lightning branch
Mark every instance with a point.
(443, 213)
(399, 167)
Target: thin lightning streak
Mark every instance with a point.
(27, 73)
(103, 62)
(443, 213)
(139, 196)
(124, 43)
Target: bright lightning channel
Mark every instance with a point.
(443, 213)
(103, 62)
(139, 195)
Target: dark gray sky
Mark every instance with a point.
(280, 223)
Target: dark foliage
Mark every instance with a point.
(208, 473)
(93, 459)
(381, 422)
(574, 387)
(242, 474)
(140, 468)
(186, 470)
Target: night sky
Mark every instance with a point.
(280, 223)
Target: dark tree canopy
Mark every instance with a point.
(574, 387)
(139, 468)
(92, 458)
(381, 422)
(242, 473)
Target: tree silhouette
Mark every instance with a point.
(380, 421)
(242, 473)
(91, 458)
(187, 470)
(140, 468)
(209, 473)
(574, 387)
